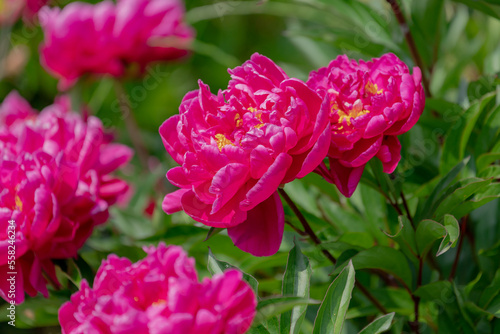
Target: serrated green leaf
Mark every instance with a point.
(218, 267)
(379, 325)
(333, 309)
(296, 282)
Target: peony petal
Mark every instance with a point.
(390, 153)
(261, 233)
(345, 178)
(227, 216)
(268, 183)
(172, 202)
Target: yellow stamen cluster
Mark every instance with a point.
(222, 141)
(19, 203)
(373, 89)
(238, 120)
(356, 111)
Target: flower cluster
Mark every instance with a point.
(11, 10)
(159, 294)
(370, 104)
(55, 184)
(237, 147)
(106, 38)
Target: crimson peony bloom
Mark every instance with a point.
(11, 10)
(141, 24)
(106, 38)
(237, 147)
(55, 185)
(79, 40)
(370, 104)
(159, 294)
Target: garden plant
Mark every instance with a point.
(230, 167)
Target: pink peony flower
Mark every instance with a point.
(140, 24)
(55, 185)
(237, 147)
(32, 7)
(370, 104)
(106, 38)
(79, 40)
(159, 294)
(11, 10)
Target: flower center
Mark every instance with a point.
(356, 111)
(222, 141)
(19, 203)
(373, 89)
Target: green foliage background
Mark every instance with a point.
(449, 172)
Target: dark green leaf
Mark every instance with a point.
(384, 258)
(333, 309)
(405, 238)
(379, 325)
(428, 231)
(218, 267)
(458, 136)
(273, 306)
(296, 281)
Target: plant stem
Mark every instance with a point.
(411, 42)
(307, 227)
(416, 300)
(317, 241)
(405, 204)
(131, 125)
(459, 249)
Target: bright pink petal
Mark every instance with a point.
(261, 233)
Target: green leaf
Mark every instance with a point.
(333, 309)
(452, 234)
(384, 258)
(218, 267)
(379, 325)
(458, 136)
(434, 199)
(213, 231)
(405, 238)
(434, 291)
(296, 282)
(462, 190)
(482, 6)
(428, 231)
(484, 160)
(489, 294)
(488, 194)
(273, 306)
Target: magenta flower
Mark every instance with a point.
(236, 148)
(370, 104)
(55, 185)
(142, 24)
(11, 10)
(159, 294)
(107, 38)
(79, 40)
